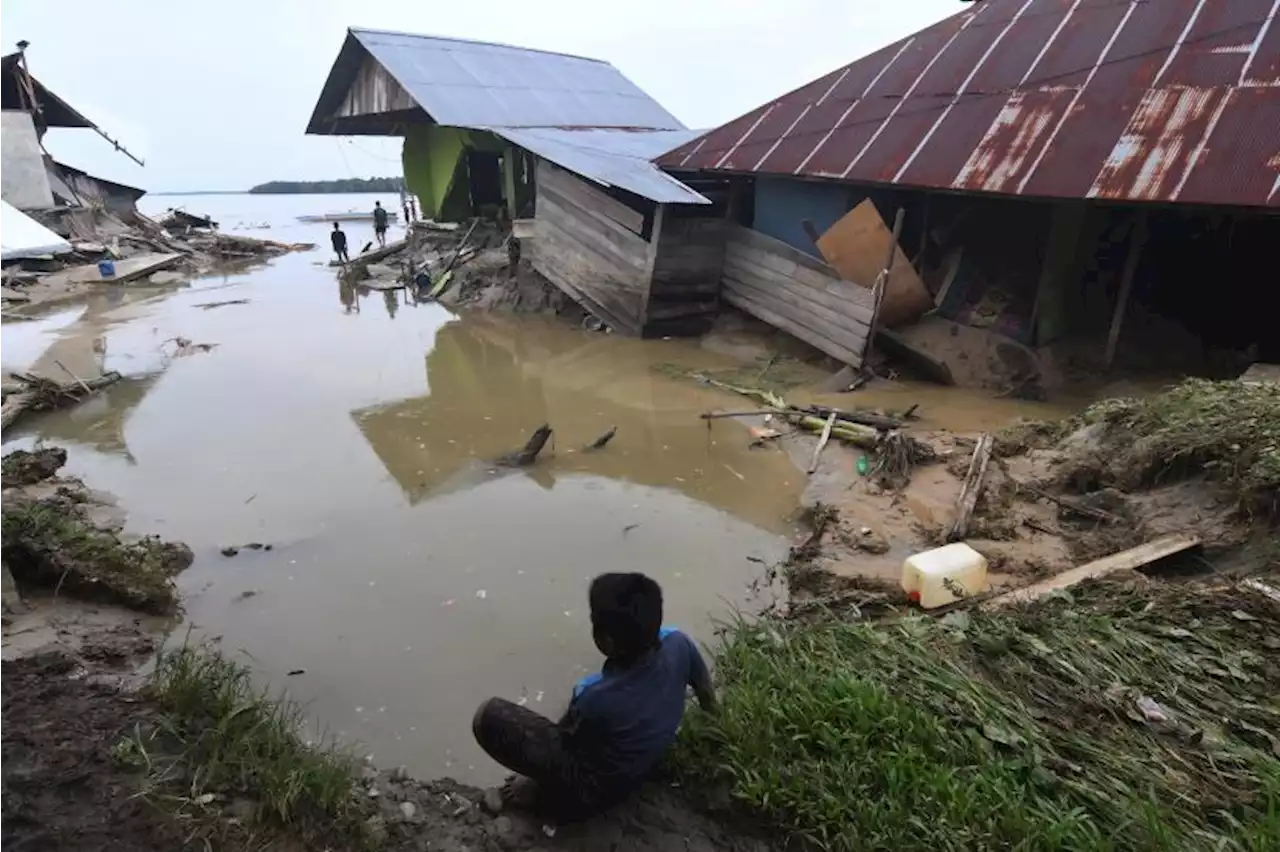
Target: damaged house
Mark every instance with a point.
(1084, 182)
(34, 180)
(563, 140)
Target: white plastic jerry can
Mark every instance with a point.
(945, 574)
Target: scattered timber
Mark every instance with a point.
(41, 394)
(600, 442)
(972, 488)
(1134, 557)
(529, 454)
(822, 442)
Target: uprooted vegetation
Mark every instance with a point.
(1140, 717)
(51, 542)
(1229, 432)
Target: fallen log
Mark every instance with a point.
(865, 418)
(600, 442)
(853, 433)
(529, 454)
(972, 488)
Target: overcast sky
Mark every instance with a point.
(217, 95)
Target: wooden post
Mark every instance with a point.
(1136, 241)
(882, 280)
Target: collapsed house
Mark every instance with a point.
(32, 179)
(1082, 175)
(568, 141)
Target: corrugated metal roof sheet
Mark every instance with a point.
(25, 237)
(1142, 100)
(468, 84)
(620, 158)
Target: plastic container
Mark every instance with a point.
(107, 268)
(945, 574)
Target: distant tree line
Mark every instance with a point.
(377, 184)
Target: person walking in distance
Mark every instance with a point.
(339, 240)
(380, 223)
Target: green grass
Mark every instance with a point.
(51, 545)
(1018, 730)
(1229, 431)
(220, 740)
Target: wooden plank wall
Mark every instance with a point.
(589, 246)
(684, 290)
(796, 293)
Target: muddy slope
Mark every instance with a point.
(67, 787)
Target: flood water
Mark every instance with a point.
(407, 580)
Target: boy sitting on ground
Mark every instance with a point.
(619, 722)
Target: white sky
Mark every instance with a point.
(217, 95)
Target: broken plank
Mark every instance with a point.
(129, 269)
(1134, 557)
(972, 488)
(375, 255)
(822, 442)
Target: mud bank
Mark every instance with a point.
(91, 764)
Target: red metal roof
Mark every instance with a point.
(1145, 100)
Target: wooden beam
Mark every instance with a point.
(1134, 557)
(1136, 241)
(972, 488)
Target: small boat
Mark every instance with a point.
(349, 216)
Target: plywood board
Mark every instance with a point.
(857, 245)
(1125, 560)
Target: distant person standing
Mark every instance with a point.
(339, 240)
(404, 204)
(380, 223)
(413, 209)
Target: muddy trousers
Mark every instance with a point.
(532, 745)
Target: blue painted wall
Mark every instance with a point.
(781, 203)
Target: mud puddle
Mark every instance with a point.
(351, 431)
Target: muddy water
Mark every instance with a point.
(407, 579)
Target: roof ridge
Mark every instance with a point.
(375, 31)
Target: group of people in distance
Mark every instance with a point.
(338, 237)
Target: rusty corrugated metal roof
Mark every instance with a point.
(1142, 100)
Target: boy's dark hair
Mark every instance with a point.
(627, 608)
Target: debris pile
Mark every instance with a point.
(126, 249)
(479, 265)
(24, 392)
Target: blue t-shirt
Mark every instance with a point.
(622, 722)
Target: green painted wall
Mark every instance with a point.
(435, 169)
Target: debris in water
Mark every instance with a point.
(246, 594)
(481, 594)
(183, 347)
(628, 528)
(449, 602)
(296, 672)
(211, 305)
(735, 473)
(229, 551)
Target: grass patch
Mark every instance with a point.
(49, 544)
(1229, 431)
(221, 741)
(1139, 719)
